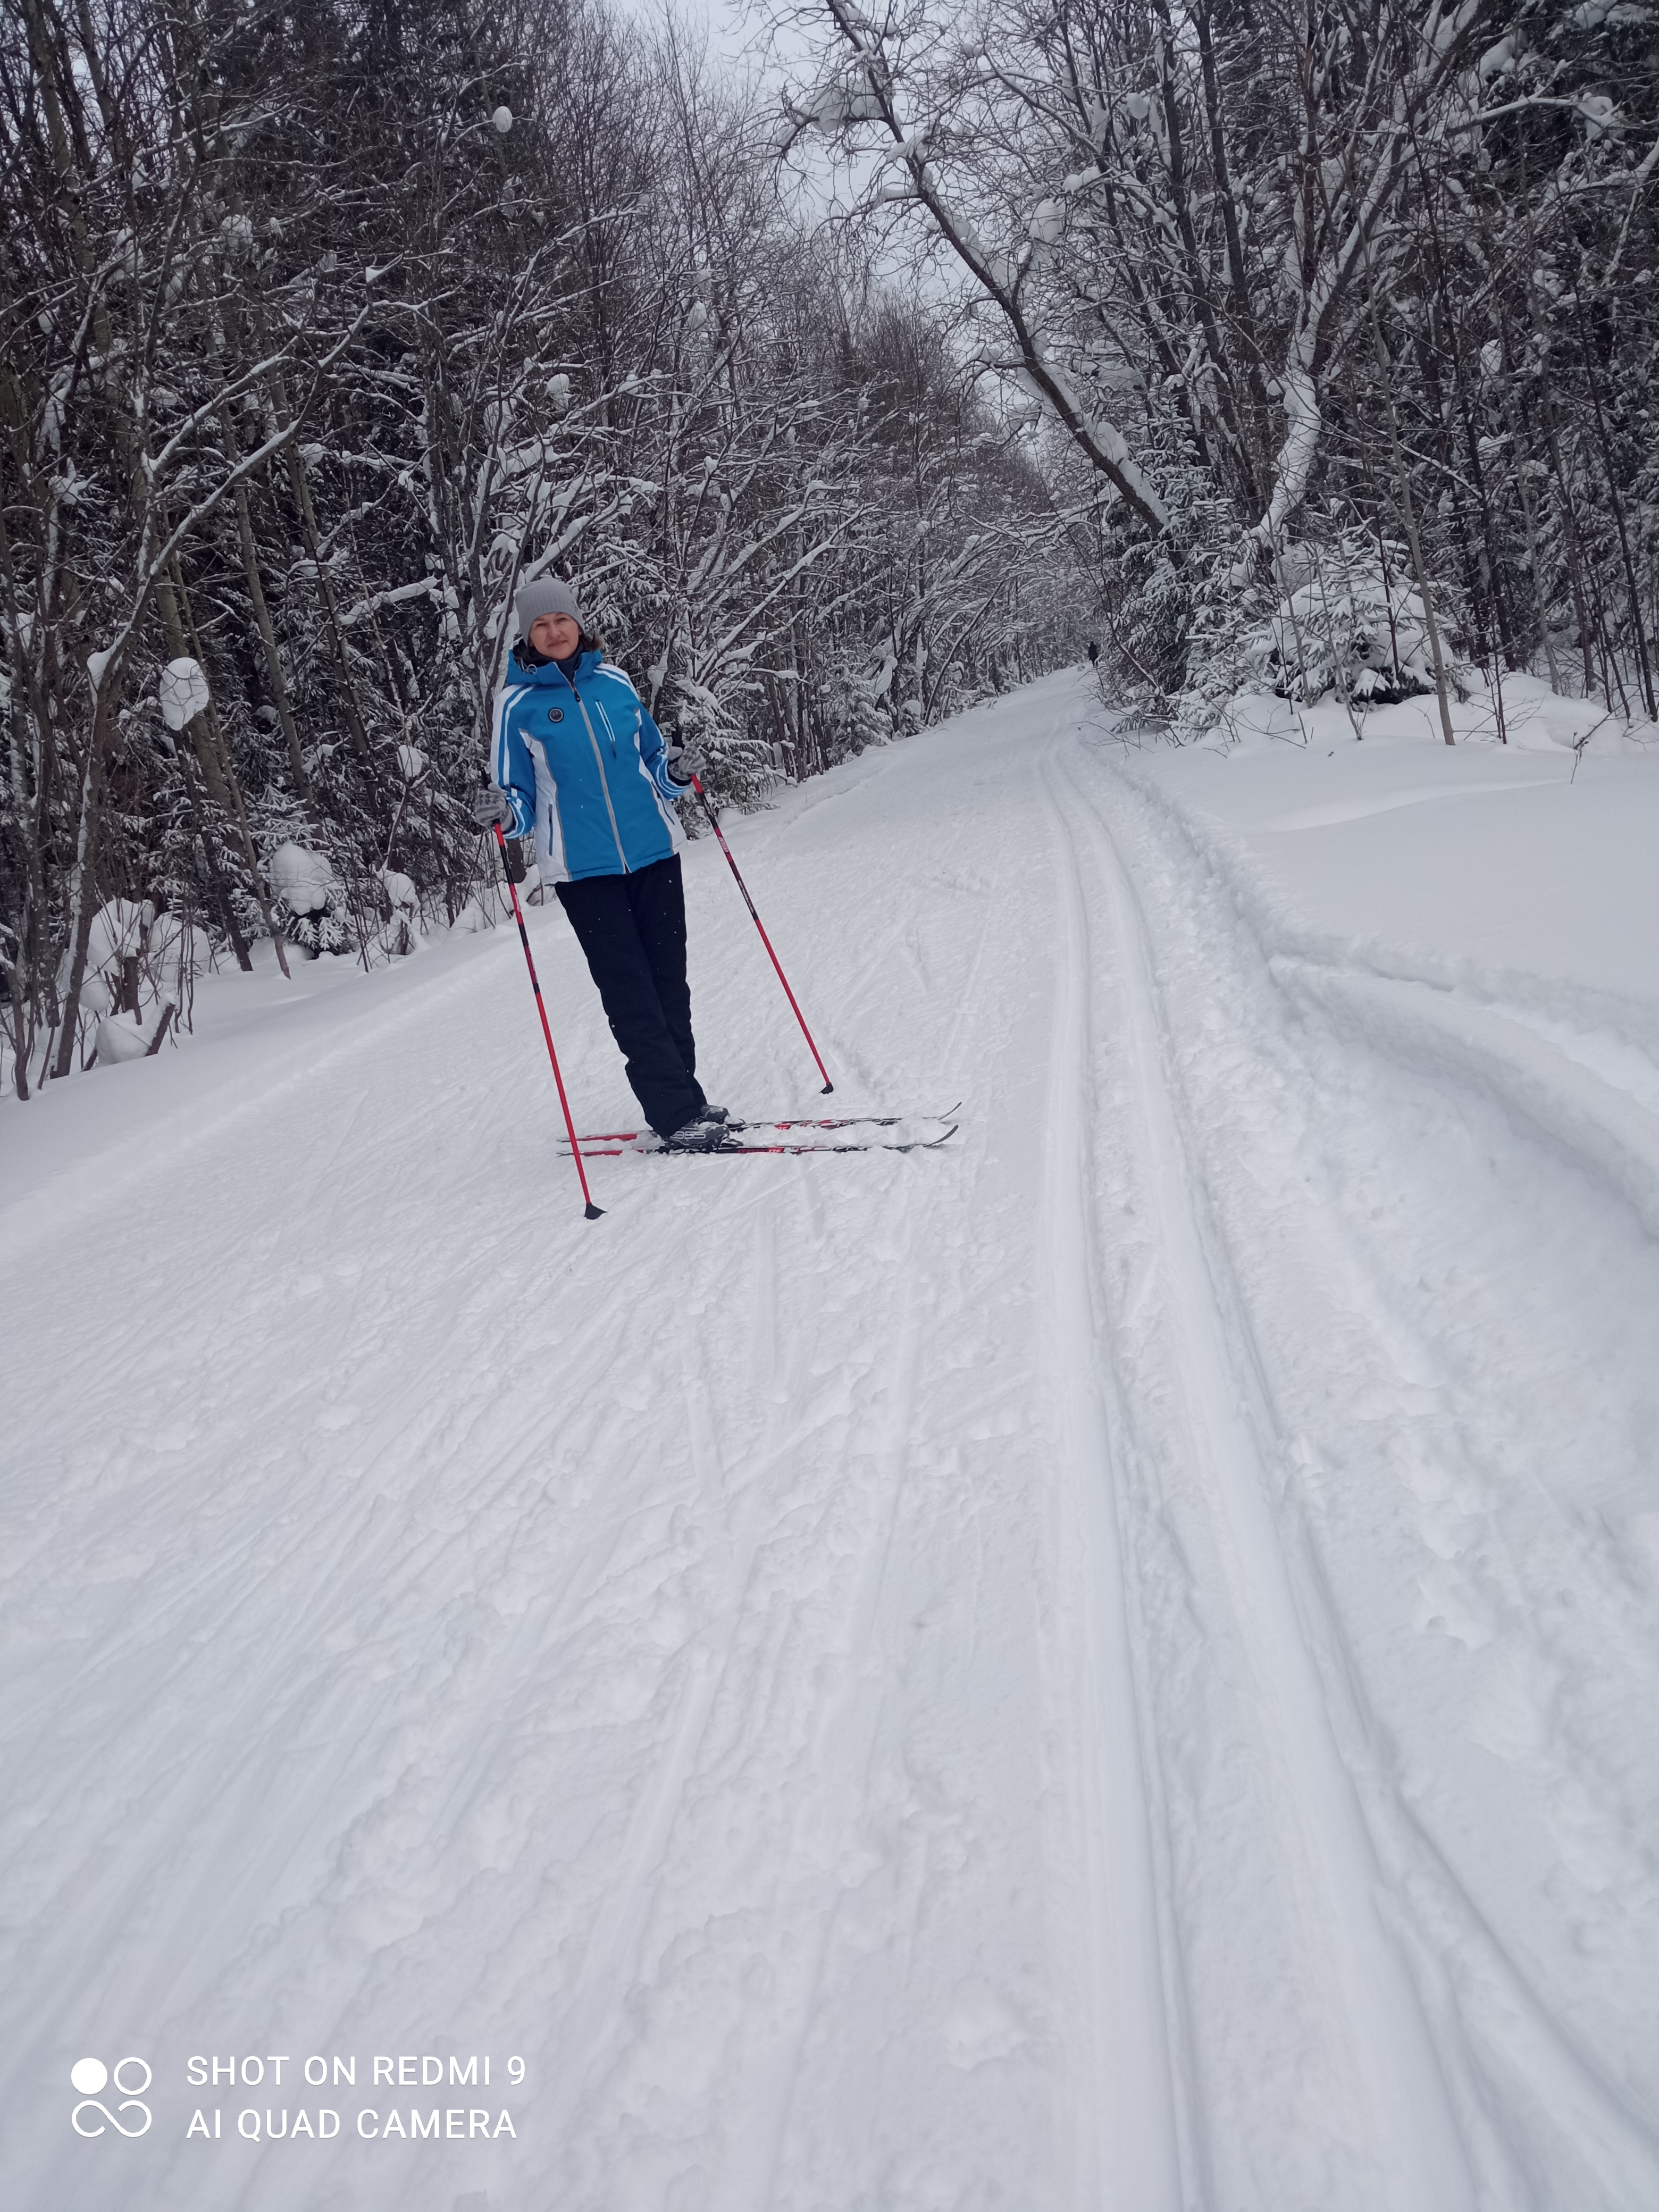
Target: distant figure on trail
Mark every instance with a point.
(577, 760)
(1094, 654)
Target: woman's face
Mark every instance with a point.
(555, 636)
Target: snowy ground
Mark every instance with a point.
(1112, 1665)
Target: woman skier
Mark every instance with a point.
(577, 759)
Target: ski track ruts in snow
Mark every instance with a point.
(830, 1810)
(242, 1096)
(1545, 2121)
(610, 1966)
(437, 1655)
(1415, 2156)
(1121, 2096)
(746, 1920)
(833, 1664)
(633, 2013)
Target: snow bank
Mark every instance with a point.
(1515, 871)
(1488, 910)
(303, 880)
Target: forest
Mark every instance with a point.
(1277, 345)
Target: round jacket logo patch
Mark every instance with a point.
(556, 713)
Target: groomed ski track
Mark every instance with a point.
(894, 1682)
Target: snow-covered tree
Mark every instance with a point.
(323, 329)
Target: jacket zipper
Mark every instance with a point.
(598, 762)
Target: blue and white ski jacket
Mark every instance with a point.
(585, 766)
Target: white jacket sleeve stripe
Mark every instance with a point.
(511, 766)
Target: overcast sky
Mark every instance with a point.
(739, 28)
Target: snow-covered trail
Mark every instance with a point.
(1079, 1670)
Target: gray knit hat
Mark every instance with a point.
(545, 596)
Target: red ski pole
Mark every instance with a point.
(713, 818)
(592, 1213)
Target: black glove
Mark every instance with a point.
(491, 806)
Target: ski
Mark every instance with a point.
(732, 1151)
(831, 1122)
(852, 1122)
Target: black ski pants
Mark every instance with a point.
(632, 928)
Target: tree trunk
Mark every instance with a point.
(273, 660)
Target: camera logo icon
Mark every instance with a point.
(90, 2076)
